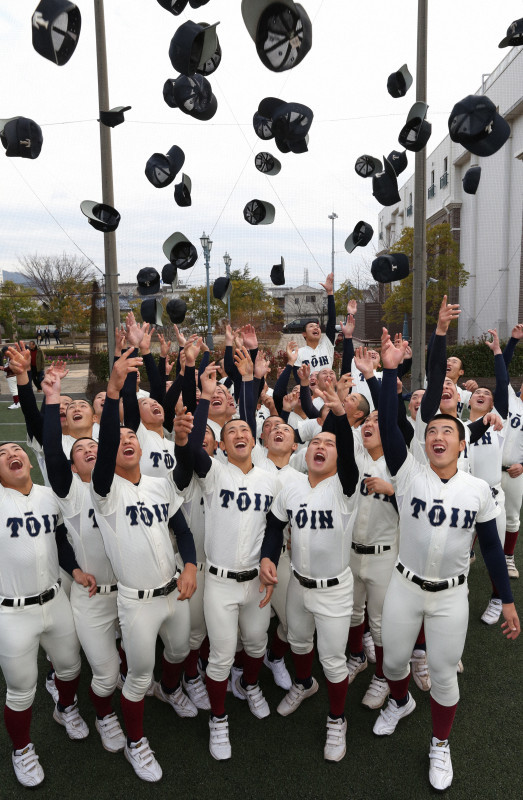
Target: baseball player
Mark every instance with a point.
(133, 513)
(320, 511)
(11, 379)
(319, 348)
(440, 507)
(512, 469)
(455, 371)
(34, 609)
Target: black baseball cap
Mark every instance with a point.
(192, 45)
(101, 216)
(267, 163)
(398, 83)
(398, 160)
(278, 273)
(180, 251)
(475, 123)
(259, 212)
(182, 191)
(282, 32)
(56, 26)
(193, 95)
(148, 280)
(113, 117)
(21, 137)
(391, 267)
(151, 311)
(174, 6)
(417, 130)
(161, 169)
(385, 185)
(176, 309)
(471, 180)
(169, 274)
(360, 236)
(514, 36)
(222, 288)
(367, 166)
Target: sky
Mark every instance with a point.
(343, 79)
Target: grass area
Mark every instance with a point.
(283, 757)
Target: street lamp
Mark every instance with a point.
(332, 217)
(206, 246)
(227, 259)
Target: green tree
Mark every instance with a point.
(250, 302)
(196, 299)
(443, 266)
(345, 292)
(18, 308)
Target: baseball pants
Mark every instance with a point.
(141, 621)
(445, 616)
(12, 384)
(501, 519)
(227, 605)
(95, 619)
(279, 595)
(513, 488)
(197, 616)
(328, 611)
(22, 631)
(371, 575)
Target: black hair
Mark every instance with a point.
(458, 423)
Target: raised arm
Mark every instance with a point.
(393, 443)
(515, 336)
(500, 368)
(330, 330)
(156, 379)
(57, 464)
(20, 362)
(247, 403)
(437, 361)
(348, 472)
(347, 328)
(202, 460)
(363, 363)
(308, 407)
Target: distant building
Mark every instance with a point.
(299, 301)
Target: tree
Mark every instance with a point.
(443, 266)
(250, 303)
(18, 307)
(64, 285)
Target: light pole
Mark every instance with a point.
(227, 259)
(332, 217)
(207, 245)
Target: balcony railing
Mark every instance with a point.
(380, 235)
(409, 210)
(431, 191)
(443, 181)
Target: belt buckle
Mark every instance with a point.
(241, 577)
(427, 586)
(310, 583)
(171, 586)
(46, 596)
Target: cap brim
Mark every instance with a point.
(209, 112)
(505, 42)
(407, 77)
(86, 207)
(418, 111)
(350, 244)
(253, 9)
(493, 142)
(174, 239)
(210, 43)
(270, 213)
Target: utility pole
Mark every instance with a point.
(332, 217)
(112, 302)
(419, 267)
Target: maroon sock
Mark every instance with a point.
(133, 718)
(204, 649)
(66, 690)
(356, 638)
(102, 705)
(123, 660)
(16, 399)
(251, 669)
(278, 648)
(303, 665)
(510, 542)
(366, 621)
(399, 689)
(337, 696)
(217, 691)
(421, 637)
(238, 658)
(190, 665)
(379, 661)
(18, 724)
(171, 674)
(442, 719)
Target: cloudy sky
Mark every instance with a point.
(343, 79)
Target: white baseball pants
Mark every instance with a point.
(371, 575)
(95, 619)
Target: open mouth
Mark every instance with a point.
(157, 412)
(15, 464)
(319, 458)
(128, 451)
(240, 445)
(89, 459)
(367, 434)
(446, 396)
(438, 449)
(216, 403)
(278, 437)
(77, 417)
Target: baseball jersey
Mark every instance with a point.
(361, 385)
(318, 357)
(464, 397)
(308, 429)
(513, 448)
(133, 522)
(376, 520)
(235, 507)
(437, 519)
(68, 441)
(194, 513)
(486, 455)
(29, 562)
(321, 521)
(157, 453)
(283, 474)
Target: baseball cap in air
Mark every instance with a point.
(222, 289)
(192, 45)
(471, 180)
(417, 130)
(360, 236)
(278, 273)
(161, 169)
(180, 251)
(385, 185)
(21, 137)
(182, 191)
(475, 123)
(148, 280)
(259, 212)
(398, 161)
(514, 35)
(101, 216)
(282, 32)
(151, 311)
(56, 28)
(174, 6)
(176, 309)
(367, 166)
(113, 117)
(392, 267)
(267, 163)
(399, 83)
(170, 274)
(192, 95)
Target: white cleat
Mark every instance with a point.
(142, 760)
(460, 667)
(182, 704)
(50, 685)
(279, 671)
(389, 716)
(27, 766)
(420, 670)
(492, 612)
(355, 665)
(111, 734)
(73, 723)
(295, 697)
(368, 647)
(512, 570)
(335, 745)
(219, 744)
(440, 772)
(197, 693)
(376, 694)
(258, 705)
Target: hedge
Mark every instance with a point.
(477, 359)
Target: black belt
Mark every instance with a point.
(312, 583)
(370, 550)
(430, 586)
(163, 590)
(505, 469)
(246, 575)
(107, 588)
(39, 599)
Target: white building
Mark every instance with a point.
(487, 225)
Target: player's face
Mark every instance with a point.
(326, 377)
(129, 451)
(351, 404)
(65, 400)
(313, 380)
(98, 403)
(267, 427)
(321, 457)
(312, 332)
(449, 397)
(370, 432)
(454, 368)
(209, 442)
(481, 400)
(218, 404)
(79, 414)
(376, 358)
(151, 412)
(281, 439)
(442, 443)
(237, 441)
(83, 455)
(415, 402)
(231, 405)
(15, 466)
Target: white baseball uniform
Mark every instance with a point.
(157, 453)
(318, 357)
(513, 454)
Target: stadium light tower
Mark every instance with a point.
(332, 217)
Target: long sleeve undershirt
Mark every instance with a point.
(184, 537)
(57, 464)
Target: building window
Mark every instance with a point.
(410, 198)
(431, 191)
(444, 179)
(310, 298)
(445, 164)
(380, 237)
(431, 177)
(409, 210)
(297, 301)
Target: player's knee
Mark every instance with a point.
(20, 699)
(445, 691)
(334, 667)
(135, 687)
(395, 671)
(281, 630)
(104, 680)
(375, 629)
(68, 673)
(358, 616)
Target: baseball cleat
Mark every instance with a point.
(369, 648)
(391, 715)
(50, 685)
(182, 704)
(219, 744)
(420, 670)
(258, 705)
(73, 723)
(295, 697)
(492, 612)
(355, 665)
(197, 693)
(440, 772)
(236, 672)
(376, 694)
(279, 671)
(27, 767)
(512, 570)
(460, 667)
(142, 760)
(111, 734)
(335, 745)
